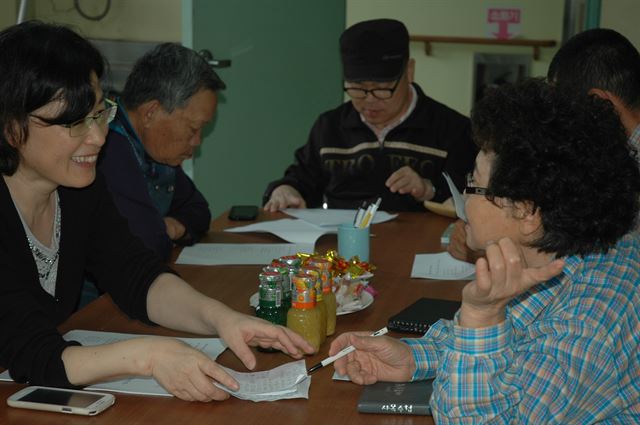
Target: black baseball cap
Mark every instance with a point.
(375, 50)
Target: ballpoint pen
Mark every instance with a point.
(341, 353)
(368, 217)
(359, 215)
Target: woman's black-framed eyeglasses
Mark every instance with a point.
(471, 189)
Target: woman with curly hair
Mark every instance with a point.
(548, 331)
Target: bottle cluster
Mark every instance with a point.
(299, 294)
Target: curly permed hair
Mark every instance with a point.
(568, 156)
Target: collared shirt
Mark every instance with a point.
(160, 178)
(381, 134)
(568, 351)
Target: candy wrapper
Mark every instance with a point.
(351, 277)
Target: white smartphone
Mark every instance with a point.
(61, 400)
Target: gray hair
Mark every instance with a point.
(170, 74)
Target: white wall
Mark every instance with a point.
(135, 20)
(622, 16)
(447, 74)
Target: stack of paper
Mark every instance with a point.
(294, 231)
(287, 381)
(442, 266)
(332, 218)
(311, 224)
(213, 254)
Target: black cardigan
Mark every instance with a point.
(94, 239)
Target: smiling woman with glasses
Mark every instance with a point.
(58, 223)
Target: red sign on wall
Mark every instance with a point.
(503, 18)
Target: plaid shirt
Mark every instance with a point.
(567, 353)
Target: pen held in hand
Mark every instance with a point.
(341, 353)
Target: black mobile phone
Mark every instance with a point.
(243, 212)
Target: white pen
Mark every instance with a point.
(371, 211)
(341, 353)
(358, 219)
(374, 210)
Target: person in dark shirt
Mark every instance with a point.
(58, 221)
(168, 98)
(390, 141)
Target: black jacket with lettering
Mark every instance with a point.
(344, 164)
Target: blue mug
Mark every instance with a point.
(353, 241)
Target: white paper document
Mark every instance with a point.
(333, 218)
(457, 198)
(289, 229)
(287, 381)
(442, 266)
(213, 254)
(146, 386)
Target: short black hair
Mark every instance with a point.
(598, 58)
(40, 63)
(566, 155)
(171, 74)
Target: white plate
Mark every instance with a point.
(366, 298)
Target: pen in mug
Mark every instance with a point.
(342, 353)
(374, 210)
(371, 211)
(359, 215)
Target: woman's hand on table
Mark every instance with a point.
(500, 277)
(239, 331)
(186, 372)
(375, 359)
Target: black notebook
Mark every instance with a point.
(400, 398)
(423, 313)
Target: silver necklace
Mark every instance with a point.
(44, 262)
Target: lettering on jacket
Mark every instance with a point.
(359, 159)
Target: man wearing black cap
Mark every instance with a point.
(390, 141)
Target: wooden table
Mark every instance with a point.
(393, 246)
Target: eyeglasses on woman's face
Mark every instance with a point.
(82, 126)
(472, 189)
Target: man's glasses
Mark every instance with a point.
(378, 93)
(471, 189)
(82, 126)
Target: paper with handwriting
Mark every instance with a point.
(289, 380)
